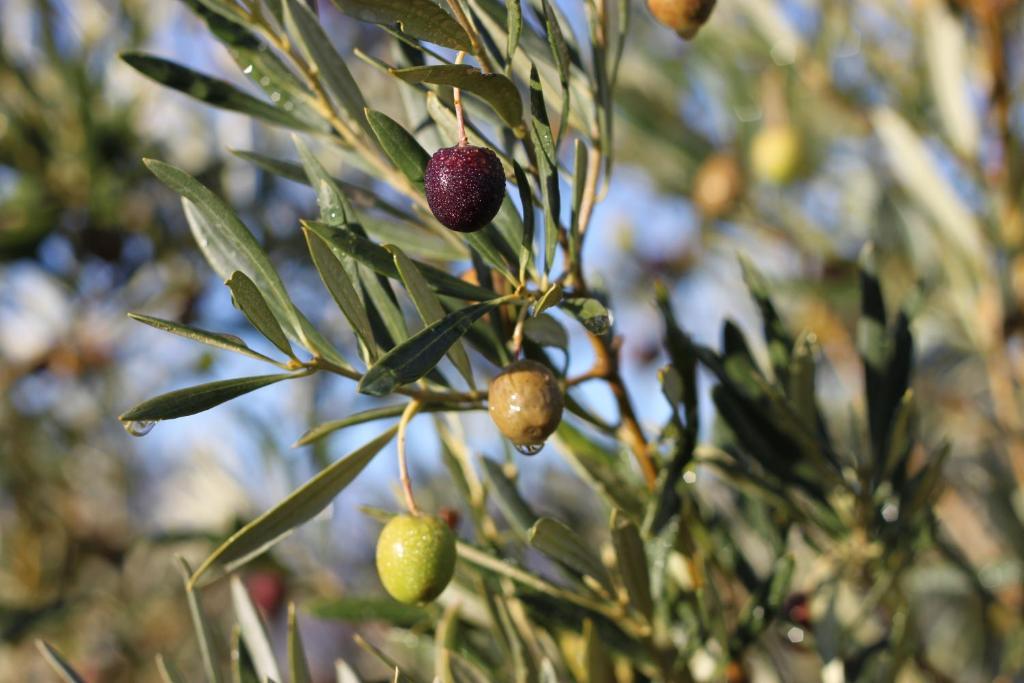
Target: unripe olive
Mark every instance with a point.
(525, 402)
(685, 17)
(775, 154)
(717, 185)
(415, 557)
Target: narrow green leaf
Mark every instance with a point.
(334, 206)
(168, 672)
(212, 91)
(297, 664)
(346, 242)
(517, 511)
(560, 55)
(400, 146)
(359, 610)
(302, 505)
(515, 28)
(495, 89)
(597, 466)
(547, 167)
(429, 307)
(254, 632)
(421, 19)
(596, 662)
(216, 339)
(262, 66)
(779, 340)
(196, 399)
(207, 646)
(485, 242)
(418, 356)
(590, 312)
(579, 181)
(57, 663)
(385, 306)
(242, 669)
(332, 71)
(322, 430)
(344, 673)
(546, 331)
(341, 288)
(248, 298)
(631, 560)
(229, 246)
(564, 546)
(526, 199)
(552, 297)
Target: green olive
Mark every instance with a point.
(415, 557)
(776, 154)
(526, 403)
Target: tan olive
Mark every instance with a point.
(717, 185)
(526, 403)
(685, 17)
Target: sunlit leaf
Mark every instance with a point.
(400, 146)
(254, 632)
(429, 307)
(496, 89)
(196, 399)
(422, 19)
(248, 298)
(210, 90)
(418, 356)
(298, 667)
(302, 505)
(215, 339)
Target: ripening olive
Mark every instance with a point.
(525, 402)
(415, 557)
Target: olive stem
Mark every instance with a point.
(403, 463)
(517, 332)
(457, 99)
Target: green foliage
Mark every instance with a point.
(796, 505)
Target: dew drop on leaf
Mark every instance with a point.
(138, 427)
(275, 96)
(247, 70)
(265, 81)
(528, 448)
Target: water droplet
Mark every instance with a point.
(247, 70)
(288, 106)
(528, 448)
(333, 216)
(265, 81)
(890, 512)
(139, 427)
(275, 97)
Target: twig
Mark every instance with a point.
(403, 463)
(457, 100)
(474, 39)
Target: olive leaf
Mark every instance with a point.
(419, 355)
(210, 90)
(196, 399)
(429, 307)
(591, 313)
(302, 505)
(218, 340)
(321, 430)
(298, 667)
(254, 632)
(400, 146)
(547, 168)
(207, 646)
(496, 89)
(248, 298)
(57, 663)
(422, 19)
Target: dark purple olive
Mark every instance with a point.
(465, 186)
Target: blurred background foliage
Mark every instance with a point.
(909, 119)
